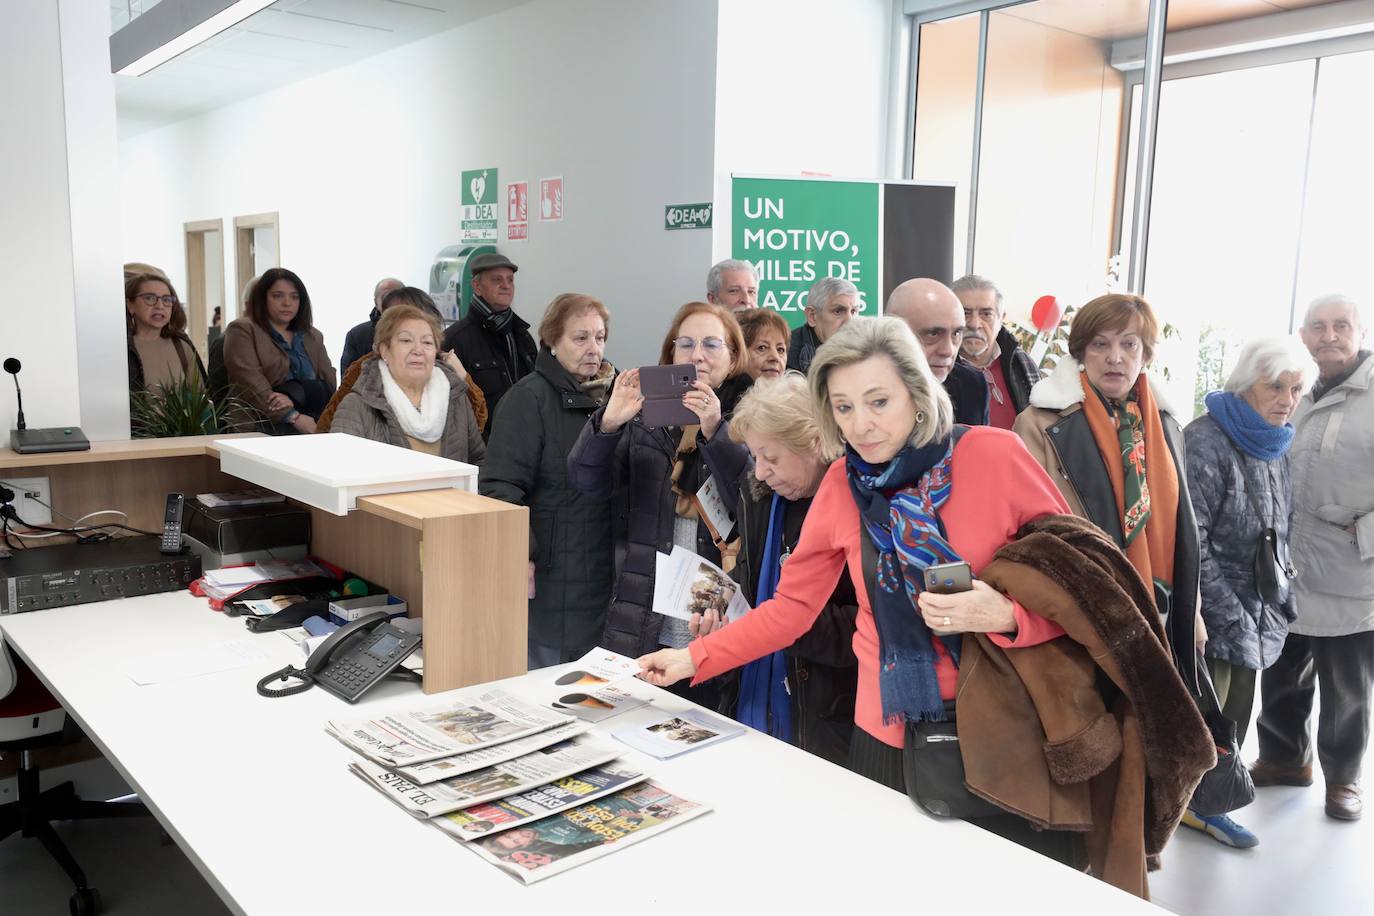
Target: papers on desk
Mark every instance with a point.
(589, 831)
(514, 810)
(596, 705)
(686, 584)
(688, 730)
(180, 664)
(421, 735)
(423, 774)
(490, 783)
(240, 577)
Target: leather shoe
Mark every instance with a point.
(1343, 802)
(1265, 773)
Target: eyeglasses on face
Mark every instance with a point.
(154, 298)
(712, 345)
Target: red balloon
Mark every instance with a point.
(1046, 313)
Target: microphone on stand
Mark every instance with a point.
(12, 366)
(26, 441)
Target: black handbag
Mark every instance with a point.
(1273, 569)
(1227, 786)
(933, 767)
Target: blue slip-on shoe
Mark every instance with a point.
(1221, 828)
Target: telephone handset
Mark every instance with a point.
(351, 661)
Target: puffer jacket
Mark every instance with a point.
(570, 533)
(364, 412)
(632, 467)
(1333, 488)
(822, 671)
(1225, 486)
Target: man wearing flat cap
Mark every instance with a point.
(491, 340)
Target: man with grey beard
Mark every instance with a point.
(991, 349)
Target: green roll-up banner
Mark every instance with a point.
(797, 230)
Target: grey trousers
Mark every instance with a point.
(1344, 667)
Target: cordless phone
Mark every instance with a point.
(171, 524)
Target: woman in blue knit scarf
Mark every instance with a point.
(1237, 457)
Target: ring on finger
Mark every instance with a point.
(945, 623)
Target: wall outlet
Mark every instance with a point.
(28, 508)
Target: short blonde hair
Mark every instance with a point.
(781, 408)
(864, 338)
(391, 321)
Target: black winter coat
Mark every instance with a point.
(801, 348)
(1241, 627)
(968, 392)
(632, 466)
(358, 341)
(570, 532)
(1018, 369)
(482, 352)
(822, 672)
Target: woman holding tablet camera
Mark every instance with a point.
(655, 474)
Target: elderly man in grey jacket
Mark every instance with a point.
(1332, 639)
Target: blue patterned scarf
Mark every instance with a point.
(1252, 434)
(899, 504)
(765, 703)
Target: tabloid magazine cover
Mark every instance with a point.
(490, 783)
(515, 810)
(555, 844)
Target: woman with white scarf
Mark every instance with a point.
(406, 398)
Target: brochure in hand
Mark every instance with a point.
(565, 840)
(490, 783)
(598, 668)
(686, 731)
(417, 736)
(516, 810)
(687, 584)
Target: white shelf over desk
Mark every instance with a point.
(330, 471)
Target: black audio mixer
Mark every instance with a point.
(44, 577)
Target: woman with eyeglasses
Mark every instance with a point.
(275, 356)
(160, 353)
(655, 474)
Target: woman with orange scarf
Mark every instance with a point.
(1110, 442)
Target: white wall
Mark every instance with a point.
(61, 301)
(37, 311)
(363, 163)
(801, 85)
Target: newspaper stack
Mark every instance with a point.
(524, 786)
(494, 718)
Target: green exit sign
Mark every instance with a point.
(687, 216)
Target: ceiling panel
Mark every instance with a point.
(1110, 20)
(286, 42)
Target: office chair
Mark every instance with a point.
(30, 718)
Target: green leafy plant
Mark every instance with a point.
(183, 408)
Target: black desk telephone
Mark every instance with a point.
(351, 661)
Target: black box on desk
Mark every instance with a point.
(242, 529)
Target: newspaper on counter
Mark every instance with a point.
(679, 733)
(422, 735)
(687, 584)
(447, 767)
(596, 705)
(516, 810)
(555, 844)
(490, 783)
